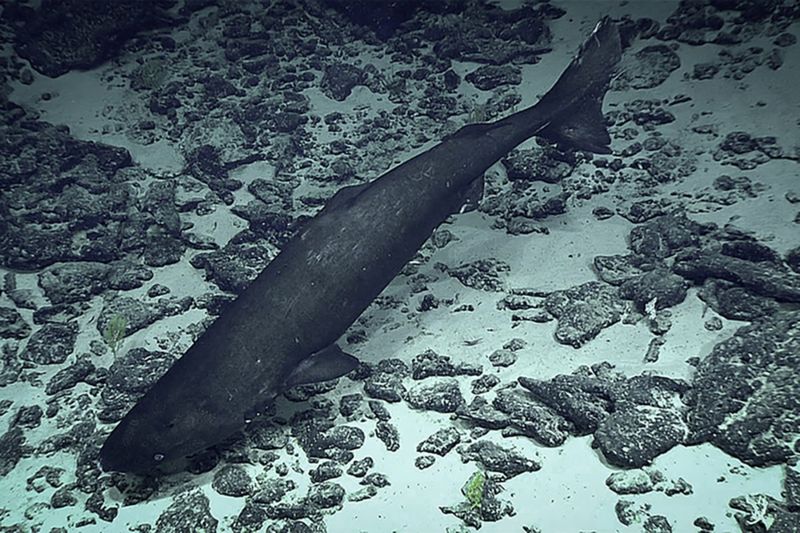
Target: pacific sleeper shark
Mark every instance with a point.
(282, 330)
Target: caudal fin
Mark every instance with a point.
(578, 93)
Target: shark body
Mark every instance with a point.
(281, 331)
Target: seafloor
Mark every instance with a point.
(609, 343)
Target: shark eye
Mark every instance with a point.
(158, 457)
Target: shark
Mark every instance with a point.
(282, 330)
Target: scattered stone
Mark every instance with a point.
(325, 471)
(744, 390)
(502, 358)
(647, 68)
(484, 384)
(429, 363)
(232, 480)
(12, 325)
(441, 442)
(361, 467)
(633, 437)
(496, 458)
(489, 77)
(424, 461)
(443, 396)
(483, 274)
(51, 344)
(584, 311)
(388, 434)
(188, 511)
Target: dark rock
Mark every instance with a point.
(376, 479)
(496, 458)
(340, 79)
(666, 288)
(12, 325)
(529, 417)
(649, 67)
(349, 404)
(489, 77)
(75, 282)
(429, 363)
(745, 394)
(51, 344)
(28, 417)
(632, 438)
(251, 518)
(483, 274)
(502, 358)
(440, 442)
(232, 480)
(443, 396)
(234, 266)
(734, 302)
(664, 236)
(793, 259)
(325, 471)
(485, 383)
(584, 311)
(361, 467)
(63, 35)
(189, 511)
(616, 269)
(379, 410)
(12, 449)
(759, 277)
(381, 17)
(384, 386)
(388, 434)
(325, 495)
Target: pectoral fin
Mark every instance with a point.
(471, 196)
(328, 363)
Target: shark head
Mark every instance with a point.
(155, 435)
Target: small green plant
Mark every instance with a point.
(473, 490)
(114, 332)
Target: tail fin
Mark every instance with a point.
(578, 93)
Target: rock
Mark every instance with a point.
(325, 495)
(340, 79)
(632, 438)
(744, 395)
(61, 36)
(734, 302)
(388, 434)
(496, 458)
(12, 449)
(12, 325)
(443, 396)
(429, 363)
(325, 471)
(188, 511)
(649, 67)
(51, 344)
(489, 77)
(584, 311)
(666, 288)
(232, 480)
(483, 274)
(361, 467)
(441, 442)
(546, 164)
(759, 277)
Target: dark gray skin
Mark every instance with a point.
(331, 271)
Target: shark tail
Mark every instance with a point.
(578, 93)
